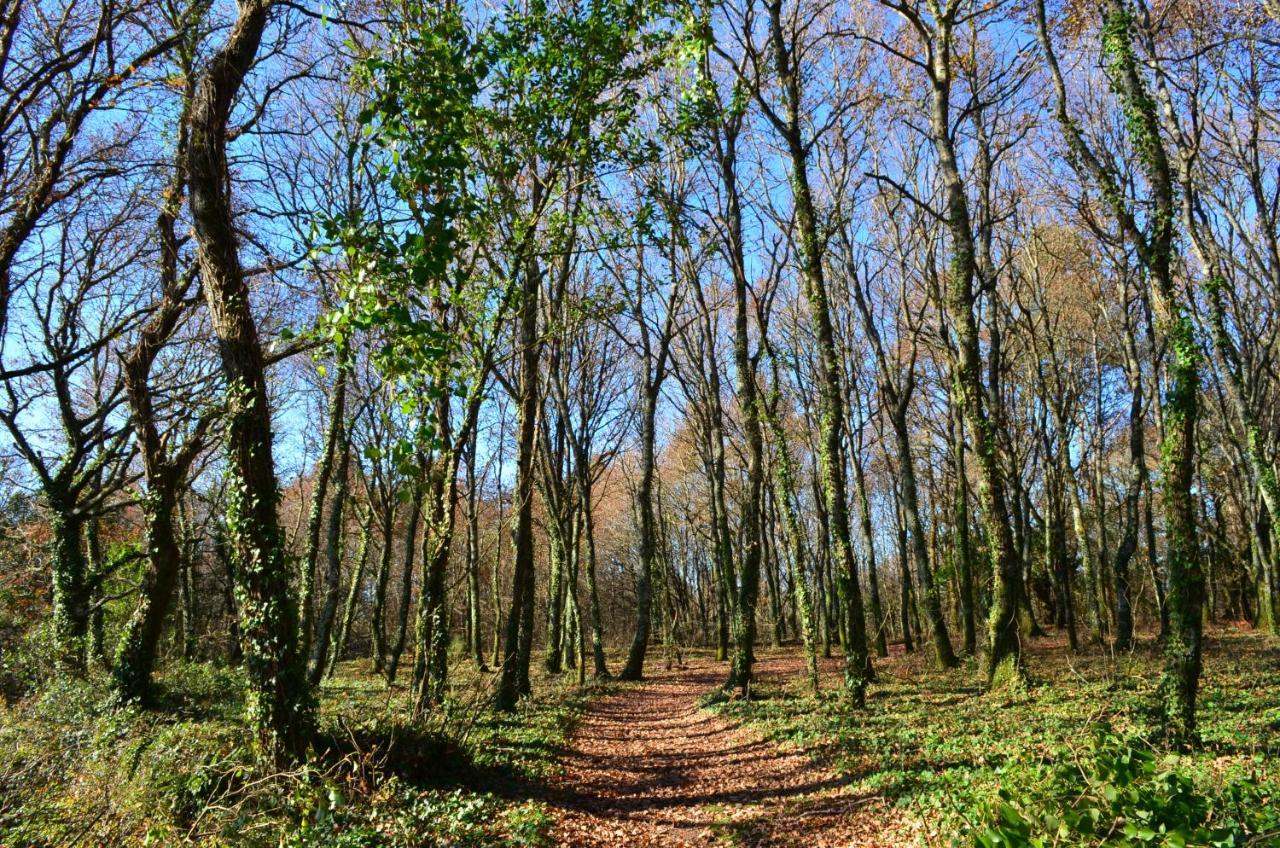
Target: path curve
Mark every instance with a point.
(646, 767)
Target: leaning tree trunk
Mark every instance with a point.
(1154, 243)
(279, 704)
(1185, 593)
(139, 643)
(136, 653)
(140, 639)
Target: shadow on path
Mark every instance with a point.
(647, 767)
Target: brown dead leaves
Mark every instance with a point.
(647, 767)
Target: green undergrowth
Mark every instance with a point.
(1063, 762)
(81, 770)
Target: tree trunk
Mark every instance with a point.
(343, 632)
(634, 668)
(784, 493)
(333, 438)
(279, 704)
(1183, 644)
(474, 640)
(963, 553)
(378, 618)
(830, 394)
(873, 577)
(1004, 650)
(514, 679)
(943, 653)
(593, 592)
(406, 583)
(320, 643)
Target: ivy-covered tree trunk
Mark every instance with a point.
(279, 703)
(71, 589)
(749, 412)
(830, 393)
(1134, 479)
(1262, 555)
(725, 579)
(1003, 661)
(431, 632)
(1185, 593)
(1154, 242)
(555, 592)
(962, 554)
(136, 654)
(188, 605)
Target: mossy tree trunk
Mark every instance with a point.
(1154, 244)
(279, 703)
(788, 124)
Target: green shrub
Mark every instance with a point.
(28, 658)
(183, 768)
(1119, 793)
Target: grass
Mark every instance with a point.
(82, 771)
(944, 757)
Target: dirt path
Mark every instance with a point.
(646, 767)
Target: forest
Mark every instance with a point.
(640, 423)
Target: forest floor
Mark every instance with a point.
(930, 757)
(931, 760)
(648, 766)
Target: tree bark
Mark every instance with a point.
(279, 704)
